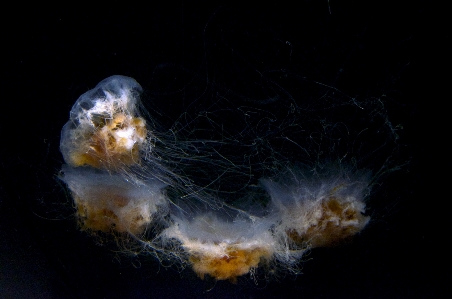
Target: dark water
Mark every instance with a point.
(229, 60)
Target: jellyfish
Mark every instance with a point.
(127, 181)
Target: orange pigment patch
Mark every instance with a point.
(101, 149)
(234, 263)
(101, 215)
(339, 221)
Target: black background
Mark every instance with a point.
(369, 49)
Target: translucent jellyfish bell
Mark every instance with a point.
(318, 212)
(105, 130)
(223, 249)
(111, 203)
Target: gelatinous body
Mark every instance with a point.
(321, 213)
(105, 130)
(223, 250)
(110, 203)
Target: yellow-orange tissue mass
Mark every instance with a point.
(235, 262)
